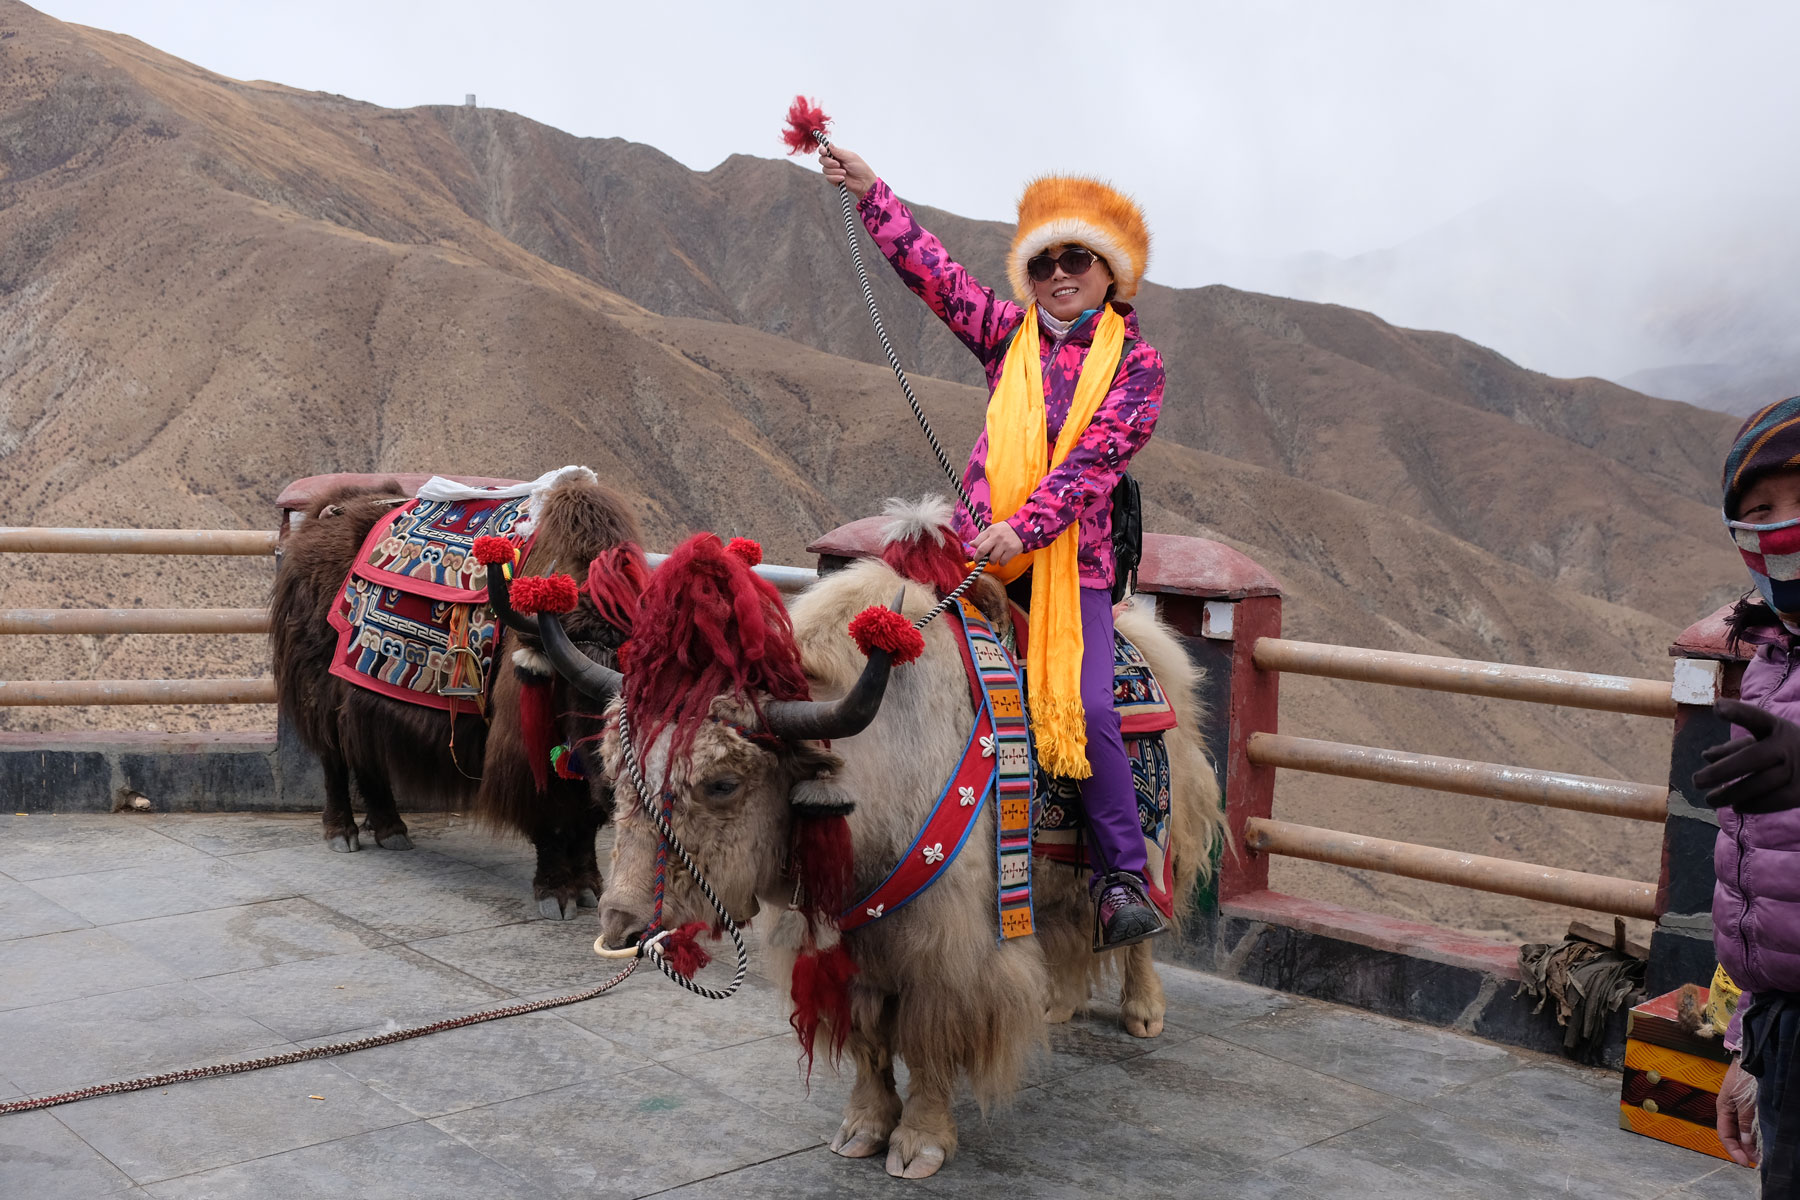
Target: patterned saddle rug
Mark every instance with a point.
(413, 620)
(1060, 832)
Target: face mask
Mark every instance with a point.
(1772, 552)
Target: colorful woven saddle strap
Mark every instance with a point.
(995, 766)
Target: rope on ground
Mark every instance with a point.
(145, 1082)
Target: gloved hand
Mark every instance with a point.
(1739, 1131)
(1755, 773)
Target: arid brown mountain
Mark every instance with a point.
(209, 287)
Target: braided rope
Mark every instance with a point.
(868, 291)
(651, 947)
(293, 1056)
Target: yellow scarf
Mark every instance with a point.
(1017, 437)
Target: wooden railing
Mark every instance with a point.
(1577, 689)
(108, 621)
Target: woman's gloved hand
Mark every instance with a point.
(1755, 773)
(1739, 1132)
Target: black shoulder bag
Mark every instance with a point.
(1127, 534)
(1127, 524)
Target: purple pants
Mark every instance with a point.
(1108, 794)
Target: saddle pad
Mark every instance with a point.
(417, 599)
(1060, 834)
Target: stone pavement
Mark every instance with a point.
(134, 944)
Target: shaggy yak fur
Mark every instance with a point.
(933, 987)
(391, 745)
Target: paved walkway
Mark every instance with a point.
(134, 944)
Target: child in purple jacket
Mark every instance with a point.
(1079, 253)
(1755, 782)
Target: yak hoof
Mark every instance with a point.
(587, 899)
(344, 843)
(862, 1145)
(1143, 1027)
(1059, 1016)
(924, 1164)
(393, 841)
(552, 909)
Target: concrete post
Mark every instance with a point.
(1681, 948)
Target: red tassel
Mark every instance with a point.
(536, 726)
(878, 628)
(820, 986)
(936, 564)
(616, 580)
(545, 593)
(491, 550)
(822, 862)
(803, 116)
(682, 950)
(745, 549)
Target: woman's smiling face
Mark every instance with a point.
(1066, 296)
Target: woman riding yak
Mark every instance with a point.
(1075, 392)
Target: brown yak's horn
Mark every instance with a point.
(594, 680)
(821, 720)
(500, 599)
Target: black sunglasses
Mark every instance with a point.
(1073, 261)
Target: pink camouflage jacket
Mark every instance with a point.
(1081, 488)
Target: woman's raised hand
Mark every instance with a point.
(848, 168)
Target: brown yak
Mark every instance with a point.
(392, 746)
(933, 986)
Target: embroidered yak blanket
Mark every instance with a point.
(413, 620)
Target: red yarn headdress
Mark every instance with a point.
(708, 625)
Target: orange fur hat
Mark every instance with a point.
(1070, 208)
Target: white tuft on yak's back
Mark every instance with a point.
(928, 517)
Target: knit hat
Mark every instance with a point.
(1069, 208)
(1768, 441)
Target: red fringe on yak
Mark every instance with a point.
(935, 562)
(711, 626)
(803, 116)
(537, 724)
(616, 580)
(821, 991)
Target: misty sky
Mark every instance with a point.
(1253, 133)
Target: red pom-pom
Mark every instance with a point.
(491, 550)
(682, 950)
(544, 593)
(878, 628)
(746, 549)
(803, 116)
